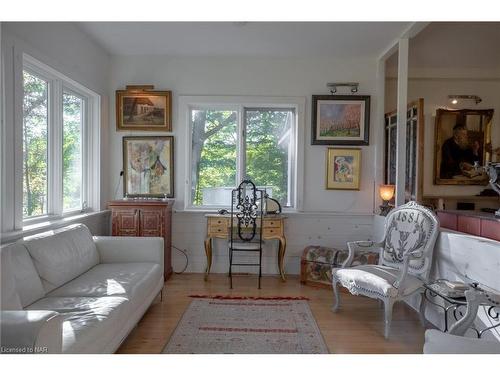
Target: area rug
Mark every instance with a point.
(247, 325)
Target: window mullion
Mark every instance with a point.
(56, 148)
(241, 152)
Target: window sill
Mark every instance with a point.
(49, 223)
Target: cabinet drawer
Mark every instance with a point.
(218, 221)
(220, 230)
(470, 225)
(272, 223)
(271, 232)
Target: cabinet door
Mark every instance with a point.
(125, 222)
(152, 222)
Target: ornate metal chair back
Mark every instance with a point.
(410, 228)
(246, 212)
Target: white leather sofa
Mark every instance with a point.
(65, 291)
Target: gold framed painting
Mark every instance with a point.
(145, 110)
(148, 166)
(462, 139)
(343, 168)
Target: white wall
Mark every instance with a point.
(435, 92)
(64, 47)
(263, 77)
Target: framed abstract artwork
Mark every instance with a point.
(343, 168)
(145, 110)
(340, 119)
(148, 165)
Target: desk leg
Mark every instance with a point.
(281, 257)
(208, 252)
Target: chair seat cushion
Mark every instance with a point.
(113, 279)
(89, 323)
(375, 280)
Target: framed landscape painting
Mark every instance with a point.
(143, 110)
(340, 119)
(148, 165)
(343, 167)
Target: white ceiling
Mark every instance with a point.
(274, 39)
(454, 45)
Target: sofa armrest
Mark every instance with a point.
(130, 249)
(30, 331)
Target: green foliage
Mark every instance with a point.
(215, 155)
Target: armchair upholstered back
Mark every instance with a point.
(410, 229)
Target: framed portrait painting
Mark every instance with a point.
(463, 138)
(148, 165)
(343, 168)
(340, 119)
(146, 110)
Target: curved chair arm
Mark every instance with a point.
(361, 247)
(404, 270)
(474, 297)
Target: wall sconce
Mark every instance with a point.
(386, 193)
(454, 98)
(334, 85)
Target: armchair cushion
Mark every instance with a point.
(375, 280)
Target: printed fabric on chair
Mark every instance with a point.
(404, 263)
(246, 225)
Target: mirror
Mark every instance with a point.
(462, 138)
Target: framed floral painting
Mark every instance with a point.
(340, 119)
(343, 168)
(148, 165)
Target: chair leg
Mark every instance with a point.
(230, 268)
(260, 265)
(388, 304)
(336, 296)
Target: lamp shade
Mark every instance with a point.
(386, 192)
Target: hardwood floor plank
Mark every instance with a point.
(356, 328)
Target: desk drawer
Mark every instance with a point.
(272, 223)
(218, 221)
(271, 232)
(219, 230)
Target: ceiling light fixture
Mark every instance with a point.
(334, 85)
(454, 98)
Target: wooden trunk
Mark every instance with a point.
(144, 218)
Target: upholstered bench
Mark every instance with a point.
(317, 262)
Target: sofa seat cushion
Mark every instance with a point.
(113, 279)
(63, 254)
(375, 280)
(89, 323)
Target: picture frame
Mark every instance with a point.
(148, 166)
(340, 120)
(143, 110)
(462, 137)
(343, 168)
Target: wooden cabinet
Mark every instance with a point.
(144, 218)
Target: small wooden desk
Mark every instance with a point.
(273, 228)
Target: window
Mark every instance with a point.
(60, 139)
(229, 143)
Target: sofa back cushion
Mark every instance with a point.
(21, 284)
(63, 254)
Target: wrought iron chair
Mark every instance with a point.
(405, 258)
(245, 230)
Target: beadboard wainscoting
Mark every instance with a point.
(189, 231)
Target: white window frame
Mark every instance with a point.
(58, 84)
(239, 104)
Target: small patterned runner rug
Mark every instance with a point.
(240, 325)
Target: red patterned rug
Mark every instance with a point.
(247, 325)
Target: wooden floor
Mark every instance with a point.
(356, 328)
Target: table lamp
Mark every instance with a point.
(386, 193)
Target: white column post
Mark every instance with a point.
(401, 126)
(379, 132)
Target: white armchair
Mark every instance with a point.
(405, 257)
